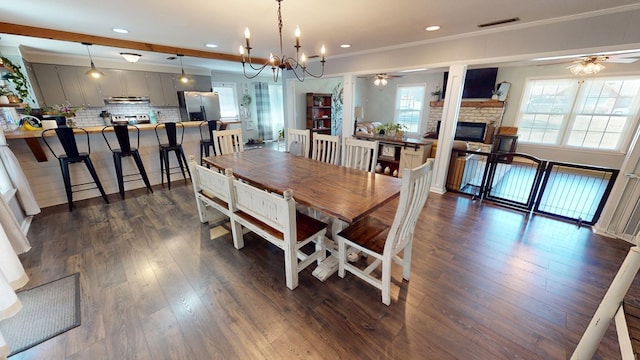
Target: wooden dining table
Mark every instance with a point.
(343, 193)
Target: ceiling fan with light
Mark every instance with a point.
(593, 64)
(381, 79)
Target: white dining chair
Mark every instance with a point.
(298, 142)
(326, 148)
(274, 218)
(228, 141)
(359, 154)
(382, 242)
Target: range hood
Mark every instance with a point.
(127, 100)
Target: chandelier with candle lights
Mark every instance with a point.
(297, 65)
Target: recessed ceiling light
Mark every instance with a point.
(121, 31)
(345, 46)
(433, 28)
(211, 45)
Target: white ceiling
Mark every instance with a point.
(365, 24)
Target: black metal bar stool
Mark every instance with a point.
(71, 155)
(125, 149)
(171, 144)
(206, 140)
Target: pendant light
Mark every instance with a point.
(93, 72)
(183, 78)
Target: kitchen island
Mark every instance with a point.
(45, 177)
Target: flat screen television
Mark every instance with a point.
(468, 131)
(478, 84)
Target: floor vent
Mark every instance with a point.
(499, 22)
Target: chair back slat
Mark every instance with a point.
(172, 136)
(359, 154)
(413, 195)
(68, 141)
(298, 142)
(228, 141)
(122, 134)
(326, 148)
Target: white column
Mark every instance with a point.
(450, 112)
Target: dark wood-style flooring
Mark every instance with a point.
(486, 283)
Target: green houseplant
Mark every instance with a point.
(18, 79)
(391, 129)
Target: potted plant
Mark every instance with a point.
(435, 95)
(390, 129)
(4, 93)
(18, 79)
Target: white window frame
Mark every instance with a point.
(575, 111)
(398, 108)
(234, 108)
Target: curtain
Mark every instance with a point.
(12, 230)
(12, 277)
(263, 109)
(19, 180)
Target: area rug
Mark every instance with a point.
(48, 310)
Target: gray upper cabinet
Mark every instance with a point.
(50, 86)
(196, 83)
(90, 88)
(70, 85)
(60, 83)
(136, 82)
(112, 83)
(154, 85)
(169, 89)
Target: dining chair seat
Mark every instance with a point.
(383, 243)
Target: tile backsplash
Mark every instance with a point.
(91, 116)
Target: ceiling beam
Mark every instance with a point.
(23, 30)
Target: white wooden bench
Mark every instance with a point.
(274, 218)
(212, 192)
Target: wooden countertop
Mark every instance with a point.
(26, 134)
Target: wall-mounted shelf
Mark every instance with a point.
(14, 105)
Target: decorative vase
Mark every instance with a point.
(387, 170)
(4, 99)
(395, 172)
(13, 99)
(494, 97)
(378, 168)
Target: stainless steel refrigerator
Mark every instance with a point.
(198, 105)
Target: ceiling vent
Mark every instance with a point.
(499, 22)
